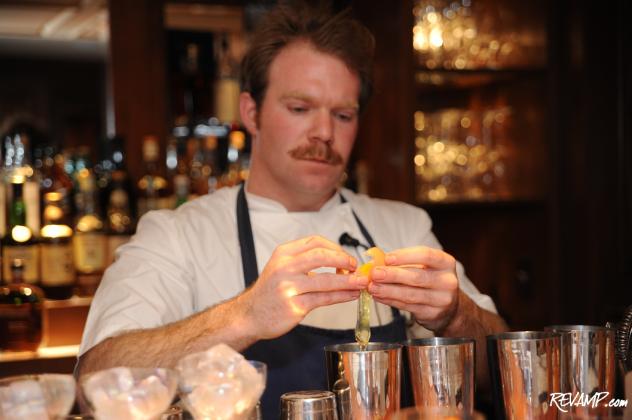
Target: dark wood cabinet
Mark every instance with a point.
(555, 247)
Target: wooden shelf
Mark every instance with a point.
(42, 353)
(73, 302)
(465, 79)
(59, 359)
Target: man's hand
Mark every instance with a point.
(419, 280)
(287, 290)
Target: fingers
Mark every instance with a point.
(421, 312)
(306, 292)
(301, 245)
(321, 257)
(415, 277)
(310, 301)
(329, 282)
(411, 296)
(429, 257)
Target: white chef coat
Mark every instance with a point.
(185, 260)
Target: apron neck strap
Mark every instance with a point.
(246, 240)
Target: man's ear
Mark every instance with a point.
(248, 112)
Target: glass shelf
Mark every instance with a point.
(479, 34)
(466, 79)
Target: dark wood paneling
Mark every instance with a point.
(64, 98)
(386, 133)
(624, 214)
(593, 160)
(139, 83)
(503, 249)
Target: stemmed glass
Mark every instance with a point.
(36, 396)
(220, 384)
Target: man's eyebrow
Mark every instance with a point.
(296, 95)
(304, 97)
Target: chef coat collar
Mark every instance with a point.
(264, 204)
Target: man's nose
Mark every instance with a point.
(322, 127)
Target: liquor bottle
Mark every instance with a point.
(3, 196)
(180, 175)
(19, 169)
(204, 171)
(153, 192)
(238, 162)
(227, 111)
(81, 160)
(196, 162)
(118, 178)
(54, 179)
(210, 170)
(56, 248)
(181, 188)
(103, 175)
(120, 221)
(171, 157)
(20, 312)
(227, 84)
(19, 241)
(89, 240)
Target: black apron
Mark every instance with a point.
(296, 360)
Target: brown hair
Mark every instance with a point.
(337, 34)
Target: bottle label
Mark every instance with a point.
(90, 252)
(31, 194)
(166, 203)
(115, 241)
(57, 264)
(29, 254)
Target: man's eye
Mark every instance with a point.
(345, 116)
(298, 109)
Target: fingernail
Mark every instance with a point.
(390, 259)
(378, 274)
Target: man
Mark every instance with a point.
(178, 287)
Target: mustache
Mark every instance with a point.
(317, 151)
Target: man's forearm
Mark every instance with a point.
(471, 320)
(164, 346)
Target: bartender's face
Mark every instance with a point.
(305, 127)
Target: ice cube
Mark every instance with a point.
(220, 384)
(129, 393)
(36, 397)
(23, 399)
